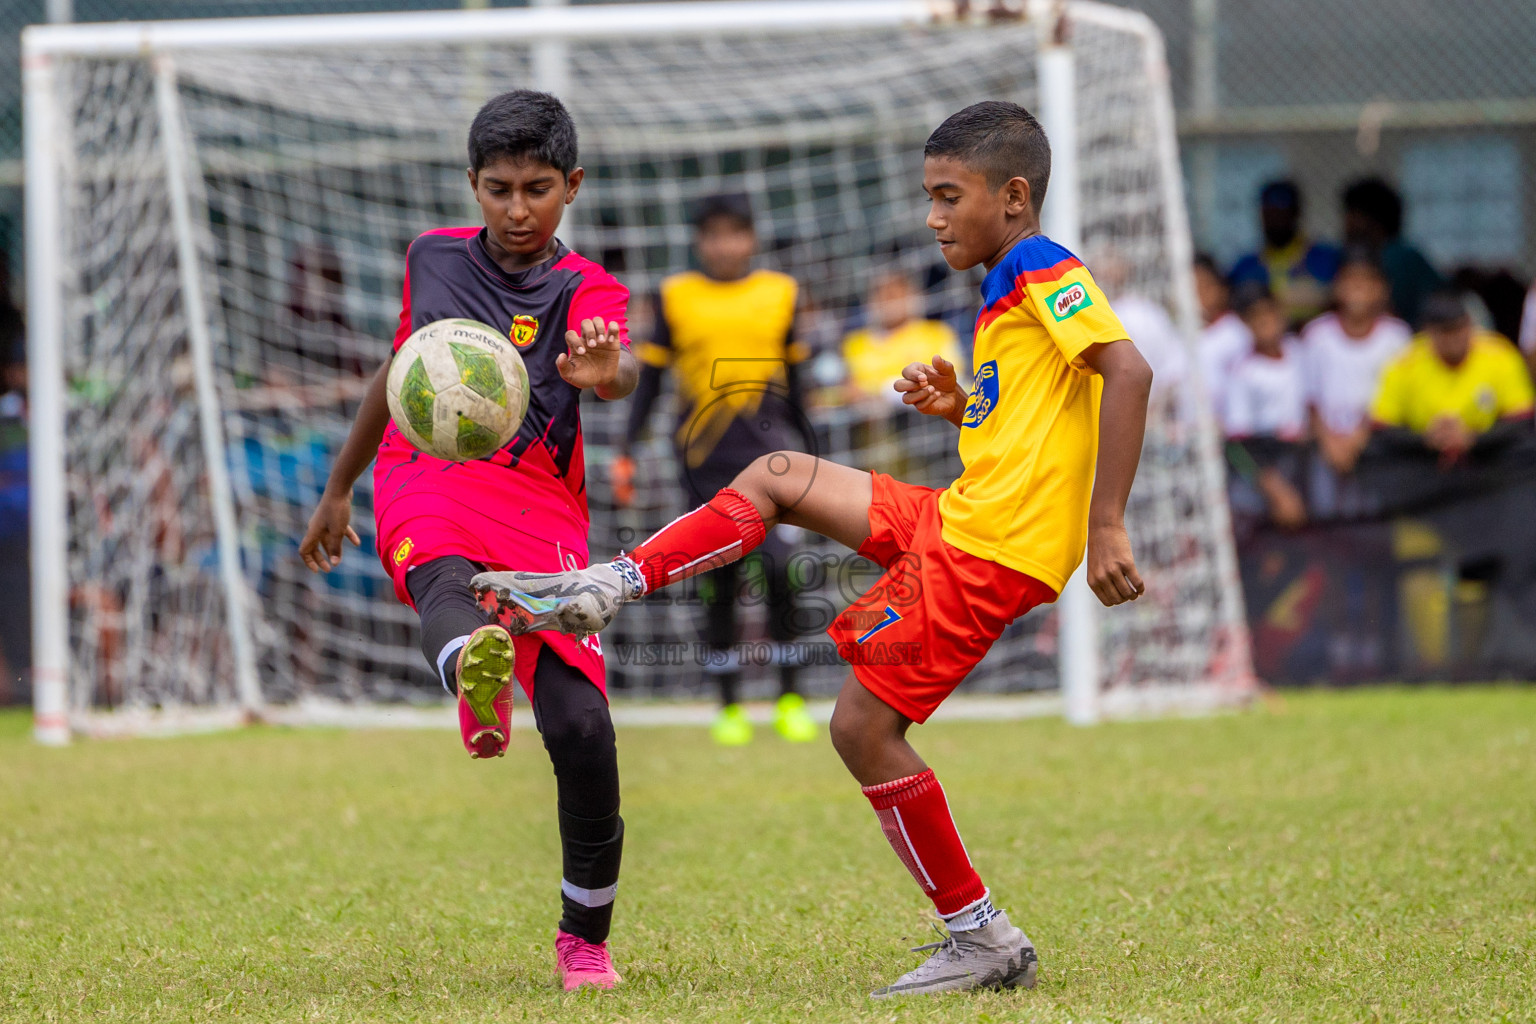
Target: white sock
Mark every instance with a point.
(976, 915)
(629, 570)
(450, 650)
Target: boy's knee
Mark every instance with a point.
(578, 735)
(851, 735)
(764, 472)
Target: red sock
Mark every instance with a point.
(710, 536)
(915, 818)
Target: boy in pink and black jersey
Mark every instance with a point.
(523, 507)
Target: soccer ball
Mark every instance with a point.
(457, 389)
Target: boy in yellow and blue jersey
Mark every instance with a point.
(1050, 436)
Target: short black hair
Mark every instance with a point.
(1282, 193)
(1249, 294)
(1362, 256)
(1374, 198)
(523, 125)
(1445, 307)
(734, 205)
(999, 139)
(1206, 262)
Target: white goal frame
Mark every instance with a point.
(549, 27)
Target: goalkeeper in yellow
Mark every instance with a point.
(727, 333)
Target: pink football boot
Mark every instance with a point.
(485, 691)
(583, 963)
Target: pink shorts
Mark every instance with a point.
(417, 528)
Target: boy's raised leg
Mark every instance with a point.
(474, 660)
(784, 487)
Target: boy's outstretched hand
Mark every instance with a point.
(933, 389)
(593, 357)
(321, 546)
(1112, 571)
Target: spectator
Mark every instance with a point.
(1344, 354)
(1373, 218)
(1456, 389)
(897, 335)
(1495, 297)
(1297, 271)
(1150, 328)
(1267, 406)
(1225, 339)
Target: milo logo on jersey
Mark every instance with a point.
(525, 329)
(983, 395)
(1069, 300)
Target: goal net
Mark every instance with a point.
(218, 218)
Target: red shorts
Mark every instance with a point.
(417, 528)
(914, 635)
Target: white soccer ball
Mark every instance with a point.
(458, 389)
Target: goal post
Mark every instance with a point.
(216, 213)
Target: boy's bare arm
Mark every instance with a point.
(1122, 422)
(321, 547)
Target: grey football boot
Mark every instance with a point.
(579, 602)
(997, 955)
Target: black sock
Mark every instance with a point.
(447, 608)
(591, 851)
(730, 686)
(578, 734)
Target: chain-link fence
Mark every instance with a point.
(1437, 98)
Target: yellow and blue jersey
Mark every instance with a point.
(1030, 435)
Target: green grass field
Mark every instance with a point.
(1332, 857)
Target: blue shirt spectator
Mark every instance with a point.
(1296, 270)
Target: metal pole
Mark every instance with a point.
(200, 342)
(61, 12)
(552, 59)
(45, 406)
(1061, 219)
(595, 21)
(1202, 106)
(1237, 657)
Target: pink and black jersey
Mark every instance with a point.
(525, 507)
(450, 274)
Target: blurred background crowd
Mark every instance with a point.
(1361, 180)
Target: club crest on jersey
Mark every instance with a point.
(983, 395)
(403, 551)
(1067, 301)
(525, 329)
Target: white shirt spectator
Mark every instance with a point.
(1223, 343)
(1156, 338)
(1342, 372)
(1267, 397)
